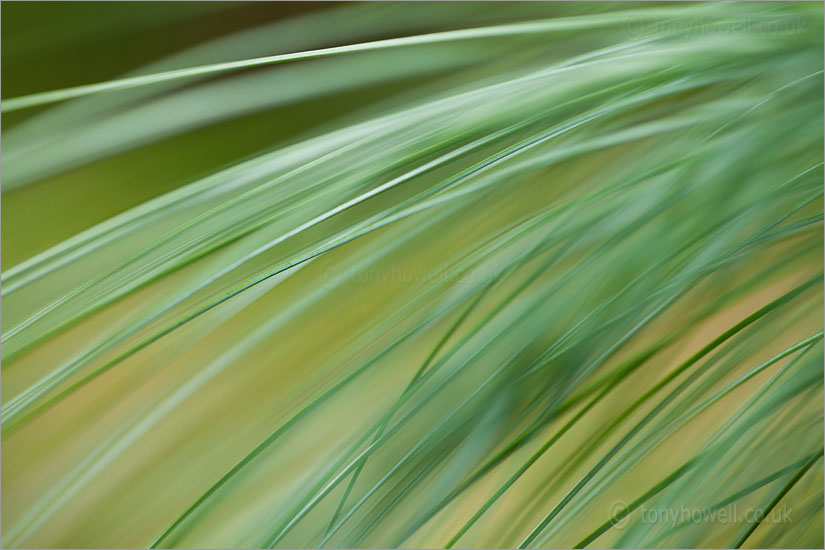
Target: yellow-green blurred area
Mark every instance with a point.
(534, 275)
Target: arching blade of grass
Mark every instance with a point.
(554, 25)
(788, 486)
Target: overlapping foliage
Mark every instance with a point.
(537, 275)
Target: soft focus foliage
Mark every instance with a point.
(434, 275)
